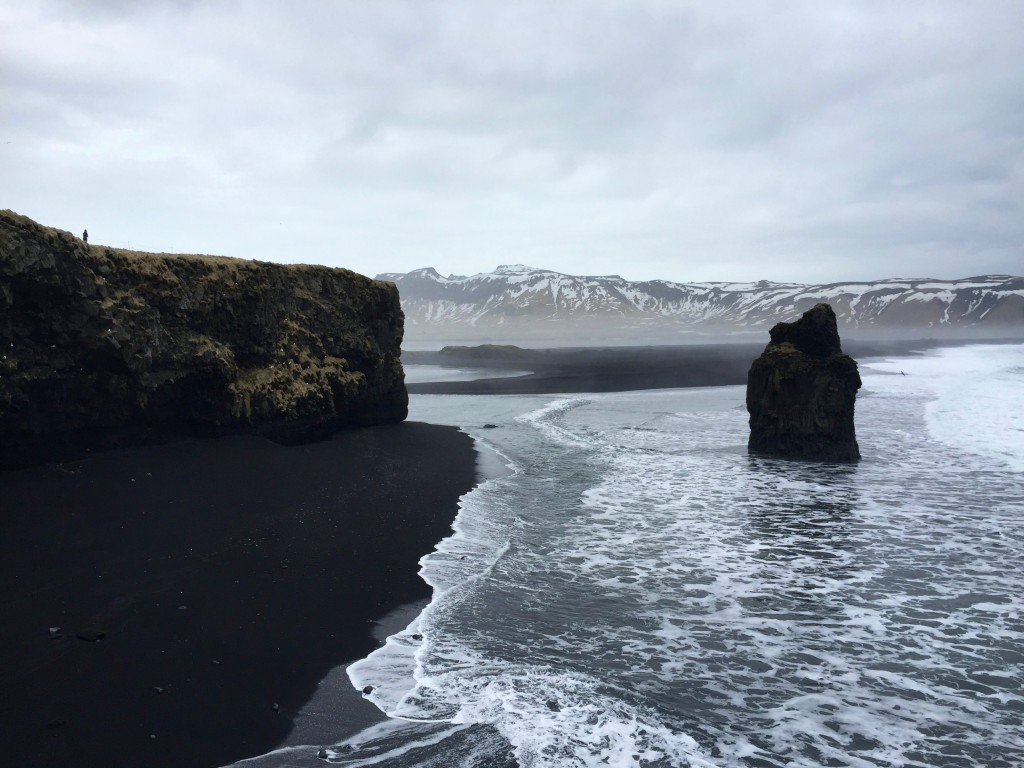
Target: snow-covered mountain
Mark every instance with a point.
(517, 300)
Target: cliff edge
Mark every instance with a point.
(103, 347)
(801, 392)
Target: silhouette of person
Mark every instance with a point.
(85, 236)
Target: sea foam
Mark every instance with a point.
(977, 401)
(640, 591)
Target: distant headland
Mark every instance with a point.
(541, 307)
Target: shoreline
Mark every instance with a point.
(335, 701)
(619, 369)
(228, 576)
(588, 369)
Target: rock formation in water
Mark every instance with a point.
(107, 347)
(801, 392)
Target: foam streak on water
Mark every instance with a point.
(639, 591)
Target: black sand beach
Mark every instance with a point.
(227, 577)
(612, 369)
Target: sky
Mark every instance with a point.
(800, 141)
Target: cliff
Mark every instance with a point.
(801, 392)
(107, 347)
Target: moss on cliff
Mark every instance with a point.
(107, 346)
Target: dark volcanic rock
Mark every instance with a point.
(801, 392)
(103, 347)
(91, 634)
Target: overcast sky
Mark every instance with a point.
(798, 141)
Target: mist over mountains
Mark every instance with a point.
(523, 303)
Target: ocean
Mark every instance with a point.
(628, 587)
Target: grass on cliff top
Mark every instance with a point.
(144, 261)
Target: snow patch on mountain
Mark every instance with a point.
(517, 295)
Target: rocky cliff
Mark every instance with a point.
(801, 392)
(105, 347)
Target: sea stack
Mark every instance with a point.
(801, 392)
(104, 347)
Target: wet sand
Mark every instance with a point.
(227, 577)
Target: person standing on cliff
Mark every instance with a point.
(85, 236)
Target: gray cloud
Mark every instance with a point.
(783, 140)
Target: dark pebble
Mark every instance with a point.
(490, 426)
(367, 690)
(417, 637)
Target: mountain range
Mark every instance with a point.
(521, 302)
